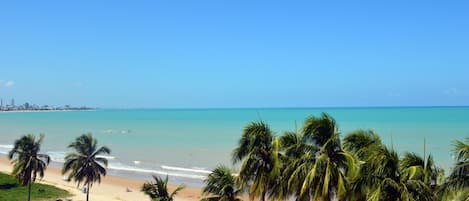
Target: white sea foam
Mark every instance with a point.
(59, 156)
(5, 148)
(117, 131)
(122, 167)
(185, 169)
(194, 173)
(106, 157)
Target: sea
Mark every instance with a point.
(186, 144)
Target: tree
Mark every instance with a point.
(389, 182)
(330, 174)
(258, 151)
(297, 156)
(415, 167)
(362, 143)
(86, 164)
(220, 185)
(27, 161)
(458, 181)
(158, 190)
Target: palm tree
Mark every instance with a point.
(415, 167)
(258, 151)
(328, 176)
(221, 186)
(158, 190)
(389, 182)
(458, 180)
(297, 156)
(86, 164)
(27, 161)
(362, 143)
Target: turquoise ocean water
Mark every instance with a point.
(186, 143)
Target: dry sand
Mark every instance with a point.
(110, 189)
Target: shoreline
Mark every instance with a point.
(32, 111)
(111, 188)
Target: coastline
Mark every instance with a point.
(111, 188)
(31, 111)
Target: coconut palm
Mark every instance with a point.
(297, 156)
(389, 182)
(220, 185)
(414, 167)
(258, 151)
(86, 163)
(27, 161)
(158, 190)
(458, 180)
(362, 143)
(328, 176)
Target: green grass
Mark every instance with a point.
(11, 190)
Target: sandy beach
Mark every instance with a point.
(110, 189)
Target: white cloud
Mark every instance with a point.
(8, 83)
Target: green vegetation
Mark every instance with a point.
(12, 190)
(260, 169)
(221, 186)
(158, 190)
(315, 163)
(85, 164)
(27, 161)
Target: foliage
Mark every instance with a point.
(86, 164)
(158, 190)
(220, 185)
(12, 190)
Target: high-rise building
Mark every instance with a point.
(12, 102)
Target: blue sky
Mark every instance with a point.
(198, 54)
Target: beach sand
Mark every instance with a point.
(111, 188)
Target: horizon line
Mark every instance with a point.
(312, 107)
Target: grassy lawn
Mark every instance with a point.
(11, 190)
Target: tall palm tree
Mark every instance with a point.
(220, 185)
(389, 182)
(258, 151)
(298, 156)
(414, 166)
(27, 161)
(362, 143)
(86, 164)
(458, 180)
(158, 190)
(328, 176)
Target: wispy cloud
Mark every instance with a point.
(8, 83)
(454, 92)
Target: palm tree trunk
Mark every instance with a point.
(263, 194)
(29, 190)
(87, 190)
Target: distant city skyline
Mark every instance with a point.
(240, 54)
(12, 106)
